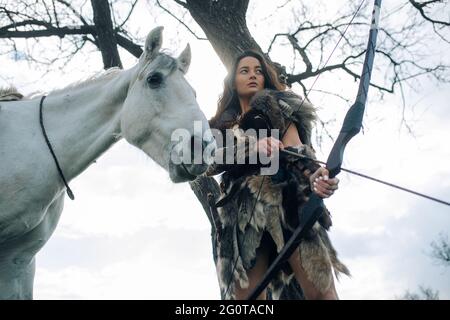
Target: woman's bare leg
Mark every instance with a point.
(255, 275)
(310, 292)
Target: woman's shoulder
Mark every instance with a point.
(288, 101)
(226, 120)
(284, 107)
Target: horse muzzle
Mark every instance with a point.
(191, 159)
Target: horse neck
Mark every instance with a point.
(83, 122)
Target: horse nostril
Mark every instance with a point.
(194, 143)
(196, 149)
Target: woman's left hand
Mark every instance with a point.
(321, 184)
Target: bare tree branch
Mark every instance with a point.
(130, 46)
(179, 20)
(60, 18)
(75, 12)
(420, 6)
(441, 250)
(423, 294)
(133, 5)
(314, 35)
(55, 14)
(302, 52)
(60, 32)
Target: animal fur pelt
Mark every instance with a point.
(247, 219)
(243, 231)
(281, 108)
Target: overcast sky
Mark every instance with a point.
(132, 234)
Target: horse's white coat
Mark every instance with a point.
(82, 122)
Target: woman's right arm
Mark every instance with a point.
(238, 157)
(233, 157)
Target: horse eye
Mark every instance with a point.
(154, 80)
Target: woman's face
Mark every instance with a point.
(249, 77)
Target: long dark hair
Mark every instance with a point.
(228, 108)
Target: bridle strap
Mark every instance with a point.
(61, 174)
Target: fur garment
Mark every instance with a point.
(257, 209)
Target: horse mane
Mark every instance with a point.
(10, 94)
(91, 79)
(165, 61)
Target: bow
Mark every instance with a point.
(351, 126)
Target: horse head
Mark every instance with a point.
(161, 107)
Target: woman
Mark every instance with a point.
(264, 208)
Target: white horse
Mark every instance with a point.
(144, 104)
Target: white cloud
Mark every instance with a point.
(156, 263)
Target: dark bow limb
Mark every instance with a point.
(351, 126)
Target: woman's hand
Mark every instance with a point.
(321, 184)
(268, 146)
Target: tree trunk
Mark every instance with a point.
(225, 27)
(105, 37)
(207, 191)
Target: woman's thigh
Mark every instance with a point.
(310, 292)
(255, 274)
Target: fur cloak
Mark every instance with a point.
(249, 221)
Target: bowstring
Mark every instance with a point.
(362, 175)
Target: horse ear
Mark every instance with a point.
(153, 43)
(184, 60)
